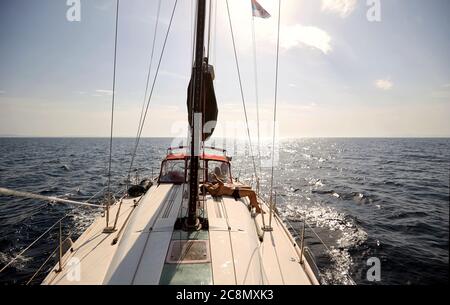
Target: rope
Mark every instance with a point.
(153, 84)
(275, 102)
(113, 99)
(146, 87)
(8, 192)
(241, 89)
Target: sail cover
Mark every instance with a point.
(208, 104)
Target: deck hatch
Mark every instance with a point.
(188, 252)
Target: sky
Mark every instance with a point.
(341, 74)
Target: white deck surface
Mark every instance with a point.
(237, 255)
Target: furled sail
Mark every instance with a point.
(208, 103)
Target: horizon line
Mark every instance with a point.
(170, 137)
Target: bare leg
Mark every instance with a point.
(253, 200)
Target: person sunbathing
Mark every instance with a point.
(219, 188)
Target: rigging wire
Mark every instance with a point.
(275, 100)
(256, 90)
(209, 27)
(146, 86)
(241, 89)
(192, 38)
(191, 92)
(204, 177)
(34, 242)
(113, 99)
(153, 83)
(215, 33)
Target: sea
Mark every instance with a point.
(373, 211)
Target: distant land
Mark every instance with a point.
(12, 136)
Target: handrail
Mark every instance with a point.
(60, 248)
(33, 243)
(42, 266)
(302, 245)
(171, 149)
(8, 192)
(307, 225)
(47, 260)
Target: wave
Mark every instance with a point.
(343, 235)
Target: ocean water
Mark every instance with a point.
(361, 198)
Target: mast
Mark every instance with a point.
(192, 221)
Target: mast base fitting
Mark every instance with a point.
(181, 224)
(267, 229)
(192, 227)
(109, 230)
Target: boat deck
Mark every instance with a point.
(150, 251)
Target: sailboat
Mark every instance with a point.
(164, 238)
(172, 231)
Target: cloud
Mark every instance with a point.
(294, 34)
(343, 8)
(310, 36)
(2, 92)
(441, 94)
(173, 75)
(384, 84)
(101, 92)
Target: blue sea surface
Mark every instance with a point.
(363, 198)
